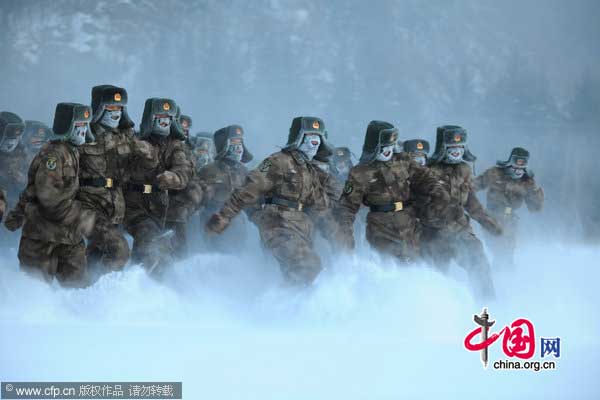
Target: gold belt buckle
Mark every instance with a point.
(147, 189)
(109, 183)
(507, 210)
(398, 206)
(300, 206)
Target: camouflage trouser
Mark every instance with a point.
(107, 245)
(179, 240)
(288, 236)
(148, 248)
(394, 233)
(46, 259)
(466, 249)
(503, 247)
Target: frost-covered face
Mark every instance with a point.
(9, 144)
(515, 172)
(36, 141)
(420, 159)
(454, 154)
(186, 128)
(235, 150)
(386, 153)
(310, 145)
(79, 133)
(162, 125)
(202, 157)
(111, 116)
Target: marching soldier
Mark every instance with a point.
(220, 178)
(388, 187)
(203, 149)
(147, 192)
(509, 184)
(418, 149)
(182, 203)
(36, 134)
(105, 161)
(13, 157)
(454, 238)
(292, 189)
(52, 242)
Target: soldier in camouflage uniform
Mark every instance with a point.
(388, 187)
(13, 157)
(335, 171)
(220, 178)
(182, 203)
(509, 184)
(36, 134)
(105, 161)
(52, 242)
(203, 148)
(455, 238)
(147, 192)
(292, 188)
(417, 149)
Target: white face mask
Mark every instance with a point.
(385, 154)
(516, 173)
(454, 155)
(420, 159)
(162, 126)
(111, 118)
(8, 145)
(235, 152)
(202, 159)
(310, 145)
(79, 134)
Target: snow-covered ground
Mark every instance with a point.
(367, 329)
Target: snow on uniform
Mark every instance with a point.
(388, 188)
(292, 190)
(505, 195)
(147, 191)
(52, 242)
(454, 239)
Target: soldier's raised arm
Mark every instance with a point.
(478, 213)
(179, 171)
(258, 182)
(53, 179)
(425, 182)
(346, 208)
(534, 199)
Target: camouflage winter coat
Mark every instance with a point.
(505, 195)
(104, 169)
(54, 214)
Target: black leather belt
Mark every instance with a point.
(293, 205)
(142, 187)
(108, 183)
(393, 207)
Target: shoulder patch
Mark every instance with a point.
(265, 165)
(348, 188)
(51, 163)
